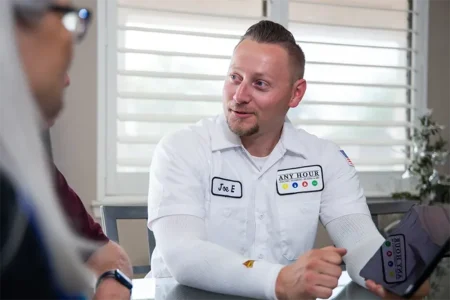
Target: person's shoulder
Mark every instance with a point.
(192, 138)
(190, 143)
(315, 145)
(324, 152)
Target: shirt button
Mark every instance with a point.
(261, 216)
(260, 256)
(227, 212)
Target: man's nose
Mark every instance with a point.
(66, 80)
(242, 94)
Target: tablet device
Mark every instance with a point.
(412, 251)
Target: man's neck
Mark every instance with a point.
(261, 144)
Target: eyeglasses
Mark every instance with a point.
(75, 20)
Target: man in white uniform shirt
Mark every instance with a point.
(234, 201)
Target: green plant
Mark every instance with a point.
(427, 153)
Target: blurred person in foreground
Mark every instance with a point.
(109, 255)
(41, 257)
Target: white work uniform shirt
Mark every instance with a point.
(269, 213)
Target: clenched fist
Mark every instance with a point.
(314, 275)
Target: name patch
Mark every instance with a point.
(300, 180)
(226, 187)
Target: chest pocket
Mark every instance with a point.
(226, 213)
(298, 216)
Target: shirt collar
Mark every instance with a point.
(224, 138)
(291, 139)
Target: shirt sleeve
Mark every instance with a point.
(178, 173)
(358, 234)
(342, 194)
(194, 261)
(79, 218)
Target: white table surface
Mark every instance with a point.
(151, 289)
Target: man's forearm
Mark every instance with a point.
(358, 234)
(196, 262)
(110, 257)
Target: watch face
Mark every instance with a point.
(122, 274)
(124, 278)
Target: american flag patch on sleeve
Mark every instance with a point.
(350, 163)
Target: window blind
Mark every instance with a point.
(167, 61)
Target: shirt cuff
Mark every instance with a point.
(271, 272)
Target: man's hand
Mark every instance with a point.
(110, 289)
(109, 257)
(378, 290)
(314, 275)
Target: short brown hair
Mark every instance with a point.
(269, 32)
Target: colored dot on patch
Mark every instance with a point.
(295, 185)
(285, 186)
(314, 182)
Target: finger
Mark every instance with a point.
(370, 284)
(331, 256)
(324, 267)
(320, 292)
(340, 251)
(327, 281)
(376, 289)
(312, 278)
(423, 291)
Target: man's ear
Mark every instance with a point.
(298, 91)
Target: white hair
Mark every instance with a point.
(24, 161)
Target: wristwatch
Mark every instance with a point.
(117, 275)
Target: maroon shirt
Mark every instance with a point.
(80, 219)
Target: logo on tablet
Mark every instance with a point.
(394, 259)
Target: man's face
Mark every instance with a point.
(46, 52)
(51, 122)
(259, 88)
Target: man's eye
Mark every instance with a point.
(233, 77)
(261, 83)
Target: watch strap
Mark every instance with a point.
(118, 276)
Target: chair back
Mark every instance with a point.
(110, 215)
